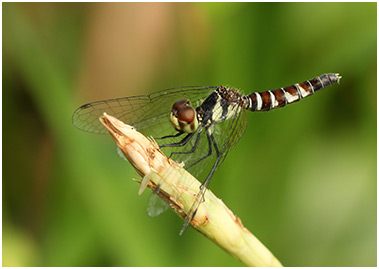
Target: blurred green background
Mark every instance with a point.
(302, 179)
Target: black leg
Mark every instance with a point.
(168, 136)
(181, 143)
(193, 148)
(206, 156)
(208, 179)
(203, 187)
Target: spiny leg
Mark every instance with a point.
(192, 149)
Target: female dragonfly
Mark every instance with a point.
(195, 125)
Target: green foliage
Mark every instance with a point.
(303, 178)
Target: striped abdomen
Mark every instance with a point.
(263, 101)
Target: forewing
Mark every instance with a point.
(149, 114)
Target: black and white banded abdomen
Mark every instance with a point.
(263, 101)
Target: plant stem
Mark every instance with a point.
(178, 189)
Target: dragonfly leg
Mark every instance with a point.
(168, 136)
(203, 187)
(181, 143)
(206, 156)
(208, 179)
(193, 148)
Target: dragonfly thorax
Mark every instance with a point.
(183, 117)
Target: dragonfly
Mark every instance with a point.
(196, 125)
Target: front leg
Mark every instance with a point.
(179, 133)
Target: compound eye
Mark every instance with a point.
(186, 114)
(179, 104)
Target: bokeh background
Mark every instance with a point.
(302, 179)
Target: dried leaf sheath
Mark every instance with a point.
(178, 189)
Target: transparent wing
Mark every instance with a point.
(149, 114)
(236, 128)
(155, 206)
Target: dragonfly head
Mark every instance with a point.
(183, 116)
